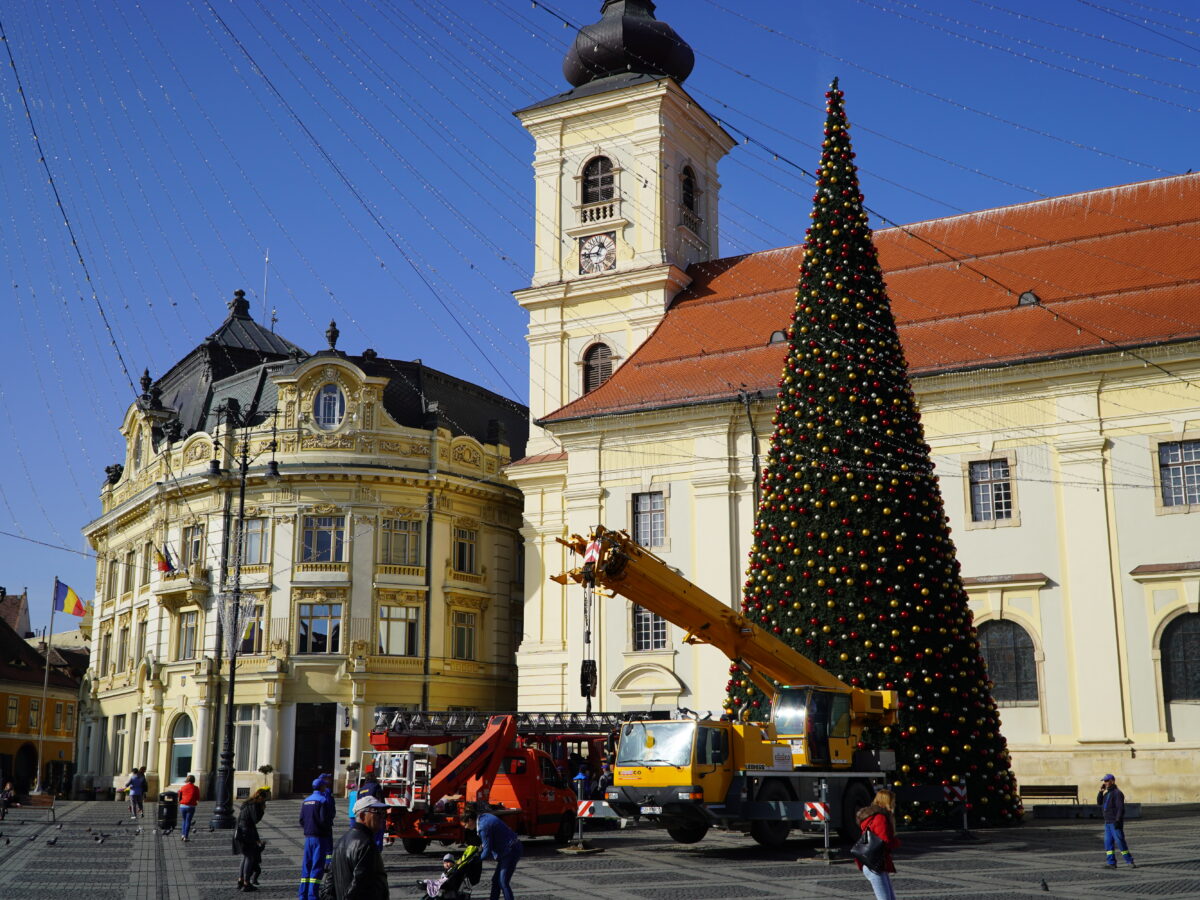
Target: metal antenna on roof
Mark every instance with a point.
(266, 270)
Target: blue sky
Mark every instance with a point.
(369, 146)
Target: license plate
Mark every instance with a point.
(651, 810)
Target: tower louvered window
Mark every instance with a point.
(597, 366)
(598, 180)
(689, 189)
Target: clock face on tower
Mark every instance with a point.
(598, 253)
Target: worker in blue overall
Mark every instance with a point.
(316, 818)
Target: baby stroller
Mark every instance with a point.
(459, 880)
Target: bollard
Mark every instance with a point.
(825, 800)
(579, 846)
(827, 855)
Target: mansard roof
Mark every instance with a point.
(239, 359)
(1110, 269)
(238, 345)
(463, 408)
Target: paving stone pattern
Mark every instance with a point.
(134, 862)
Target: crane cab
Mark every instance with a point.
(816, 723)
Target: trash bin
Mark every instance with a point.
(168, 811)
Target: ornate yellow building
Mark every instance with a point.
(1053, 347)
(378, 546)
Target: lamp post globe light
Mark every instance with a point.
(223, 815)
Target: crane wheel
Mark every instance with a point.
(566, 829)
(687, 832)
(414, 845)
(856, 796)
(771, 833)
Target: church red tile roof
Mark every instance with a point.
(1119, 266)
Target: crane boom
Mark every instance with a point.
(614, 561)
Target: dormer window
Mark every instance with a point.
(330, 407)
(136, 462)
(597, 366)
(598, 180)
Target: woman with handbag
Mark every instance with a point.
(247, 842)
(873, 851)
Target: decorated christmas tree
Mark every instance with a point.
(852, 562)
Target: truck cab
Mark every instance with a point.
(532, 797)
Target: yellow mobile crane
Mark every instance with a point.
(692, 773)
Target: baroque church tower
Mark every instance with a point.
(626, 199)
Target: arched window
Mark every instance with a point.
(329, 407)
(182, 740)
(689, 189)
(598, 180)
(137, 451)
(597, 366)
(1008, 651)
(1181, 659)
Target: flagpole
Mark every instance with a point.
(45, 688)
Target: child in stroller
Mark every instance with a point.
(459, 876)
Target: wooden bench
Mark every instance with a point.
(1050, 792)
(39, 803)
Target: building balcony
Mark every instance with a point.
(463, 667)
(395, 665)
(257, 570)
(591, 215)
(399, 574)
(257, 662)
(187, 585)
(321, 572)
(594, 213)
(466, 577)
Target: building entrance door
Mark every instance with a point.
(316, 743)
(25, 769)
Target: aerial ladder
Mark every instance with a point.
(692, 774)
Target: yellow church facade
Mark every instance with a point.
(1053, 351)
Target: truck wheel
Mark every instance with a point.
(855, 797)
(414, 845)
(771, 833)
(566, 829)
(687, 832)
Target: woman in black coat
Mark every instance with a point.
(246, 840)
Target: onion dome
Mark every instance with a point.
(627, 39)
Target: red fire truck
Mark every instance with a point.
(500, 770)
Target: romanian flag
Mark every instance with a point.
(66, 600)
(162, 560)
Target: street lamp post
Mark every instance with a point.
(223, 816)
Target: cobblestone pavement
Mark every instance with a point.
(133, 864)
